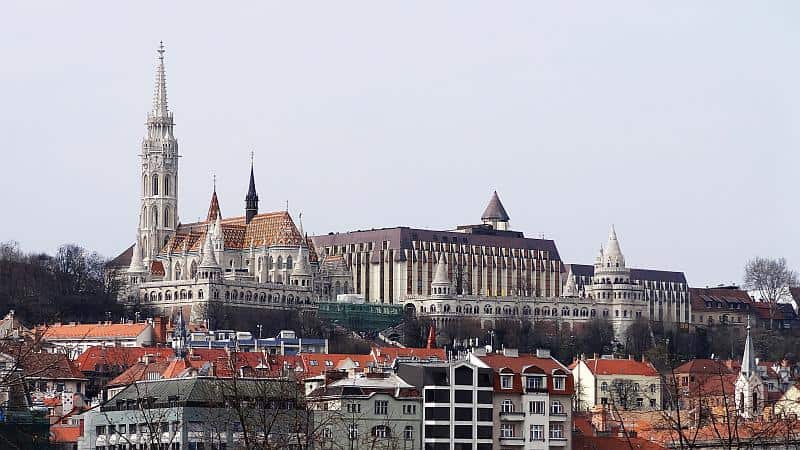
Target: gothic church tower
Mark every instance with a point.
(158, 217)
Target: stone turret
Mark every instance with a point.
(495, 214)
(440, 287)
(137, 270)
(570, 288)
(301, 272)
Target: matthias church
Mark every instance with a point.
(486, 271)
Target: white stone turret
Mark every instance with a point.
(209, 268)
(441, 282)
(301, 272)
(137, 269)
(749, 391)
(159, 171)
(612, 255)
(570, 288)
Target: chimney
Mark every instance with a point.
(542, 352)
(511, 352)
(595, 356)
(159, 330)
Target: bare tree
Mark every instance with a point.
(771, 279)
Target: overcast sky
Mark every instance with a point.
(676, 122)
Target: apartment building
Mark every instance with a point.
(457, 404)
(625, 383)
(532, 399)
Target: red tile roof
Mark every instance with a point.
(582, 442)
(387, 355)
(93, 331)
(517, 365)
(602, 366)
(315, 364)
(49, 366)
(96, 358)
(157, 268)
(702, 366)
(267, 229)
(64, 434)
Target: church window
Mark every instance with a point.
(165, 222)
(288, 262)
(200, 293)
(279, 263)
(167, 186)
(227, 295)
(487, 309)
(269, 263)
(189, 294)
(144, 185)
(155, 184)
(193, 270)
(178, 271)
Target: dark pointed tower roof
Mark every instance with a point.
(495, 210)
(213, 209)
(251, 200)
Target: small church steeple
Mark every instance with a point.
(749, 390)
(251, 200)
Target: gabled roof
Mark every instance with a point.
(123, 260)
(703, 366)
(386, 356)
(315, 364)
(94, 331)
(587, 270)
(98, 357)
(267, 229)
(49, 366)
(602, 366)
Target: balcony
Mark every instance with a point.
(558, 416)
(515, 416)
(558, 442)
(512, 441)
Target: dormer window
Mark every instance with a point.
(506, 381)
(559, 382)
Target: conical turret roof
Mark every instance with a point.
(570, 288)
(440, 276)
(612, 247)
(213, 209)
(137, 266)
(208, 259)
(495, 210)
(301, 266)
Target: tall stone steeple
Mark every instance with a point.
(749, 390)
(251, 200)
(159, 170)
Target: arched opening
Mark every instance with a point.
(155, 184)
(167, 185)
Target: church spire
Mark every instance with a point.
(251, 200)
(213, 208)
(160, 108)
(749, 356)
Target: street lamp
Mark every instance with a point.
(259, 326)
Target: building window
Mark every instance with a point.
(652, 403)
(506, 381)
(558, 383)
(556, 408)
(603, 386)
(408, 433)
(536, 407)
(326, 433)
(506, 430)
(639, 402)
(381, 407)
(653, 388)
(409, 409)
(353, 408)
(534, 382)
(507, 406)
(381, 431)
(537, 433)
(352, 432)
(556, 430)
